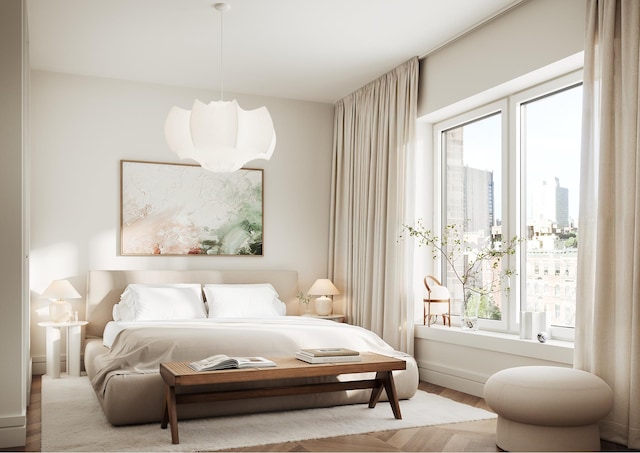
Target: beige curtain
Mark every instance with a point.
(608, 312)
(373, 135)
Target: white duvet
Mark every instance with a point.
(138, 347)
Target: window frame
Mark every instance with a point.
(539, 91)
(440, 128)
(513, 195)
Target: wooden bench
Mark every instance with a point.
(178, 374)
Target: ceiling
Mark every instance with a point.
(315, 50)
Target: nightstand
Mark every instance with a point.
(74, 340)
(336, 318)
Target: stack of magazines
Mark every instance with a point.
(328, 355)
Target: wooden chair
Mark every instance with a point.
(436, 294)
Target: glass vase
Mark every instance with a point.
(469, 316)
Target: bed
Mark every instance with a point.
(138, 319)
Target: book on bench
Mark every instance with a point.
(328, 355)
(327, 352)
(224, 362)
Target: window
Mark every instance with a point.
(512, 168)
(550, 128)
(473, 184)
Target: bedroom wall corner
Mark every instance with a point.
(81, 127)
(14, 337)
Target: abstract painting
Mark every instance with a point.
(182, 209)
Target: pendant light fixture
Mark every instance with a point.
(220, 136)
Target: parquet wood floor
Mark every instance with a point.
(462, 437)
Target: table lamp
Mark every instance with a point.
(323, 287)
(58, 291)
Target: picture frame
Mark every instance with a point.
(182, 209)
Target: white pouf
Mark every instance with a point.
(547, 408)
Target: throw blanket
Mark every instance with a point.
(140, 347)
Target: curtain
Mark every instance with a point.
(608, 294)
(374, 131)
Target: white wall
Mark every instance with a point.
(519, 48)
(13, 329)
(81, 127)
(531, 36)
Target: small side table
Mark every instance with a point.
(336, 318)
(74, 340)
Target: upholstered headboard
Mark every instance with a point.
(104, 287)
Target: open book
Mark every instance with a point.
(224, 362)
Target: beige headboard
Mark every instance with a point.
(104, 287)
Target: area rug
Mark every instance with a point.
(72, 420)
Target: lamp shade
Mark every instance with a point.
(60, 289)
(220, 135)
(323, 287)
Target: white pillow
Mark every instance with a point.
(439, 293)
(122, 312)
(140, 302)
(258, 300)
(115, 312)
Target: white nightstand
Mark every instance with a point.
(336, 318)
(74, 340)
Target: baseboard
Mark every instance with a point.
(39, 364)
(449, 381)
(13, 432)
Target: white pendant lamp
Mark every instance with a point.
(220, 136)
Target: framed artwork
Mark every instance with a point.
(183, 209)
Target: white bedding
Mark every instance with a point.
(129, 387)
(138, 347)
(297, 329)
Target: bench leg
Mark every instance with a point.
(376, 391)
(385, 379)
(164, 419)
(170, 413)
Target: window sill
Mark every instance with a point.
(552, 350)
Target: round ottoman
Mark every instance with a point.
(547, 408)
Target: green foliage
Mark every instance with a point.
(241, 234)
(484, 305)
(303, 299)
(453, 248)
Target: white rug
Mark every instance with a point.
(72, 420)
